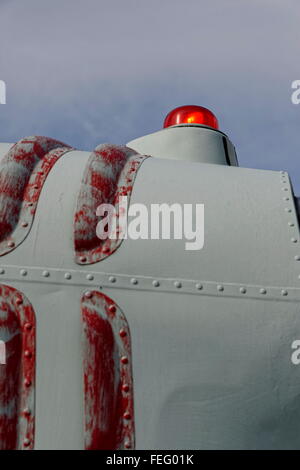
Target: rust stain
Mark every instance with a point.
(108, 384)
(23, 172)
(17, 375)
(109, 174)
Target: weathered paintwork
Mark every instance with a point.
(211, 331)
(108, 384)
(109, 174)
(23, 171)
(17, 376)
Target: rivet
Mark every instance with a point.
(68, 276)
(36, 186)
(297, 258)
(2, 271)
(134, 281)
(82, 259)
(27, 412)
(90, 277)
(26, 442)
(30, 204)
(125, 388)
(123, 333)
(23, 272)
(291, 224)
(24, 224)
(199, 286)
(127, 415)
(284, 292)
(263, 291)
(19, 301)
(105, 249)
(243, 290)
(124, 360)
(88, 294)
(282, 172)
(28, 326)
(286, 198)
(294, 240)
(112, 308)
(28, 354)
(27, 383)
(177, 284)
(155, 283)
(287, 209)
(112, 279)
(127, 444)
(10, 244)
(46, 273)
(284, 189)
(220, 288)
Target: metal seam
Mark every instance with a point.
(148, 283)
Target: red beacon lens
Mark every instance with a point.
(191, 115)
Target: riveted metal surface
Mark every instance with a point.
(17, 375)
(211, 330)
(23, 171)
(247, 231)
(108, 386)
(109, 174)
(213, 372)
(147, 283)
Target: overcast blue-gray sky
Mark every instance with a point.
(93, 71)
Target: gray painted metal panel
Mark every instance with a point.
(211, 369)
(213, 373)
(248, 239)
(196, 143)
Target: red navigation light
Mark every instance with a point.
(191, 115)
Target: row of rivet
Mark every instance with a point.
(283, 176)
(27, 382)
(112, 279)
(124, 361)
(24, 223)
(178, 285)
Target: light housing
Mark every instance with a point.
(191, 114)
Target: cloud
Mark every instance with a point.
(91, 71)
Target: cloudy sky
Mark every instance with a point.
(93, 71)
